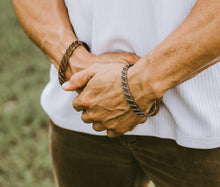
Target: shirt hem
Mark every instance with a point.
(195, 143)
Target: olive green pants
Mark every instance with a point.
(82, 160)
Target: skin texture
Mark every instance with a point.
(47, 24)
(189, 49)
(102, 100)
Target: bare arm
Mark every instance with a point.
(191, 48)
(186, 51)
(48, 26)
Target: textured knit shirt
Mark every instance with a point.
(190, 112)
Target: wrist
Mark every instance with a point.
(79, 60)
(144, 85)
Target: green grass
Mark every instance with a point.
(24, 146)
(24, 71)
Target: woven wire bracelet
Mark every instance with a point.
(65, 59)
(130, 99)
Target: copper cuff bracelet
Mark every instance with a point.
(130, 99)
(65, 60)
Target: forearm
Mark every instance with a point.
(48, 26)
(186, 51)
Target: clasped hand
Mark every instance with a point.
(102, 101)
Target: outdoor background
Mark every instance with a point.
(24, 150)
(24, 71)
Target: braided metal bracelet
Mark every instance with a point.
(130, 99)
(65, 60)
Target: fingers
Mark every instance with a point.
(80, 79)
(112, 134)
(77, 81)
(98, 126)
(85, 117)
(78, 105)
(113, 130)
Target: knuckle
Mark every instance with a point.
(85, 118)
(93, 116)
(85, 102)
(95, 126)
(106, 125)
(119, 131)
(129, 57)
(76, 106)
(98, 127)
(89, 117)
(112, 134)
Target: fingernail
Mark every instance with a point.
(65, 85)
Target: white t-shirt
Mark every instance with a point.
(190, 112)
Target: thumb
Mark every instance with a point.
(78, 80)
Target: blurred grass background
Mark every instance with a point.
(24, 149)
(24, 71)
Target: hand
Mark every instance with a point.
(82, 59)
(102, 100)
